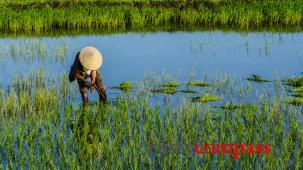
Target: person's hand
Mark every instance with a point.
(92, 86)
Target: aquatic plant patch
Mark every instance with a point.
(257, 78)
(206, 98)
(171, 84)
(165, 91)
(125, 86)
(198, 83)
(295, 100)
(295, 82)
(297, 89)
(235, 107)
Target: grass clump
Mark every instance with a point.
(295, 82)
(295, 101)
(165, 91)
(235, 107)
(257, 78)
(297, 89)
(206, 98)
(125, 86)
(188, 91)
(197, 83)
(171, 84)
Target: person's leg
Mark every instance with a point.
(83, 90)
(101, 88)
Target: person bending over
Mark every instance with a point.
(87, 62)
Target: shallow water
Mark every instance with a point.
(182, 54)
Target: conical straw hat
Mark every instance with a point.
(90, 58)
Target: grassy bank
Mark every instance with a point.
(42, 127)
(112, 16)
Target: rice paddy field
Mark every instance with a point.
(102, 16)
(190, 84)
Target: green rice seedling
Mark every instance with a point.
(257, 78)
(125, 86)
(206, 98)
(197, 83)
(235, 107)
(295, 82)
(47, 16)
(187, 91)
(297, 89)
(136, 133)
(171, 84)
(165, 91)
(295, 101)
(299, 95)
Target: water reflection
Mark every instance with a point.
(128, 56)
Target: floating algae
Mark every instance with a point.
(197, 83)
(235, 107)
(125, 86)
(172, 91)
(188, 91)
(297, 89)
(295, 82)
(297, 95)
(206, 98)
(171, 84)
(165, 91)
(257, 78)
(295, 101)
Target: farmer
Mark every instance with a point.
(86, 65)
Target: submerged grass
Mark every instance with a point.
(171, 84)
(197, 83)
(206, 98)
(257, 78)
(242, 106)
(297, 89)
(295, 101)
(295, 82)
(125, 86)
(44, 16)
(41, 127)
(165, 91)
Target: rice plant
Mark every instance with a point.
(111, 16)
(42, 127)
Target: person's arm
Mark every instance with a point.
(93, 76)
(78, 75)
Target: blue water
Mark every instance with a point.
(129, 56)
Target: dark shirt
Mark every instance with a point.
(77, 68)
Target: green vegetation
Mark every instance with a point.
(118, 16)
(295, 101)
(296, 82)
(165, 91)
(296, 92)
(171, 84)
(297, 89)
(42, 128)
(206, 98)
(257, 78)
(188, 91)
(172, 91)
(125, 86)
(197, 83)
(241, 106)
